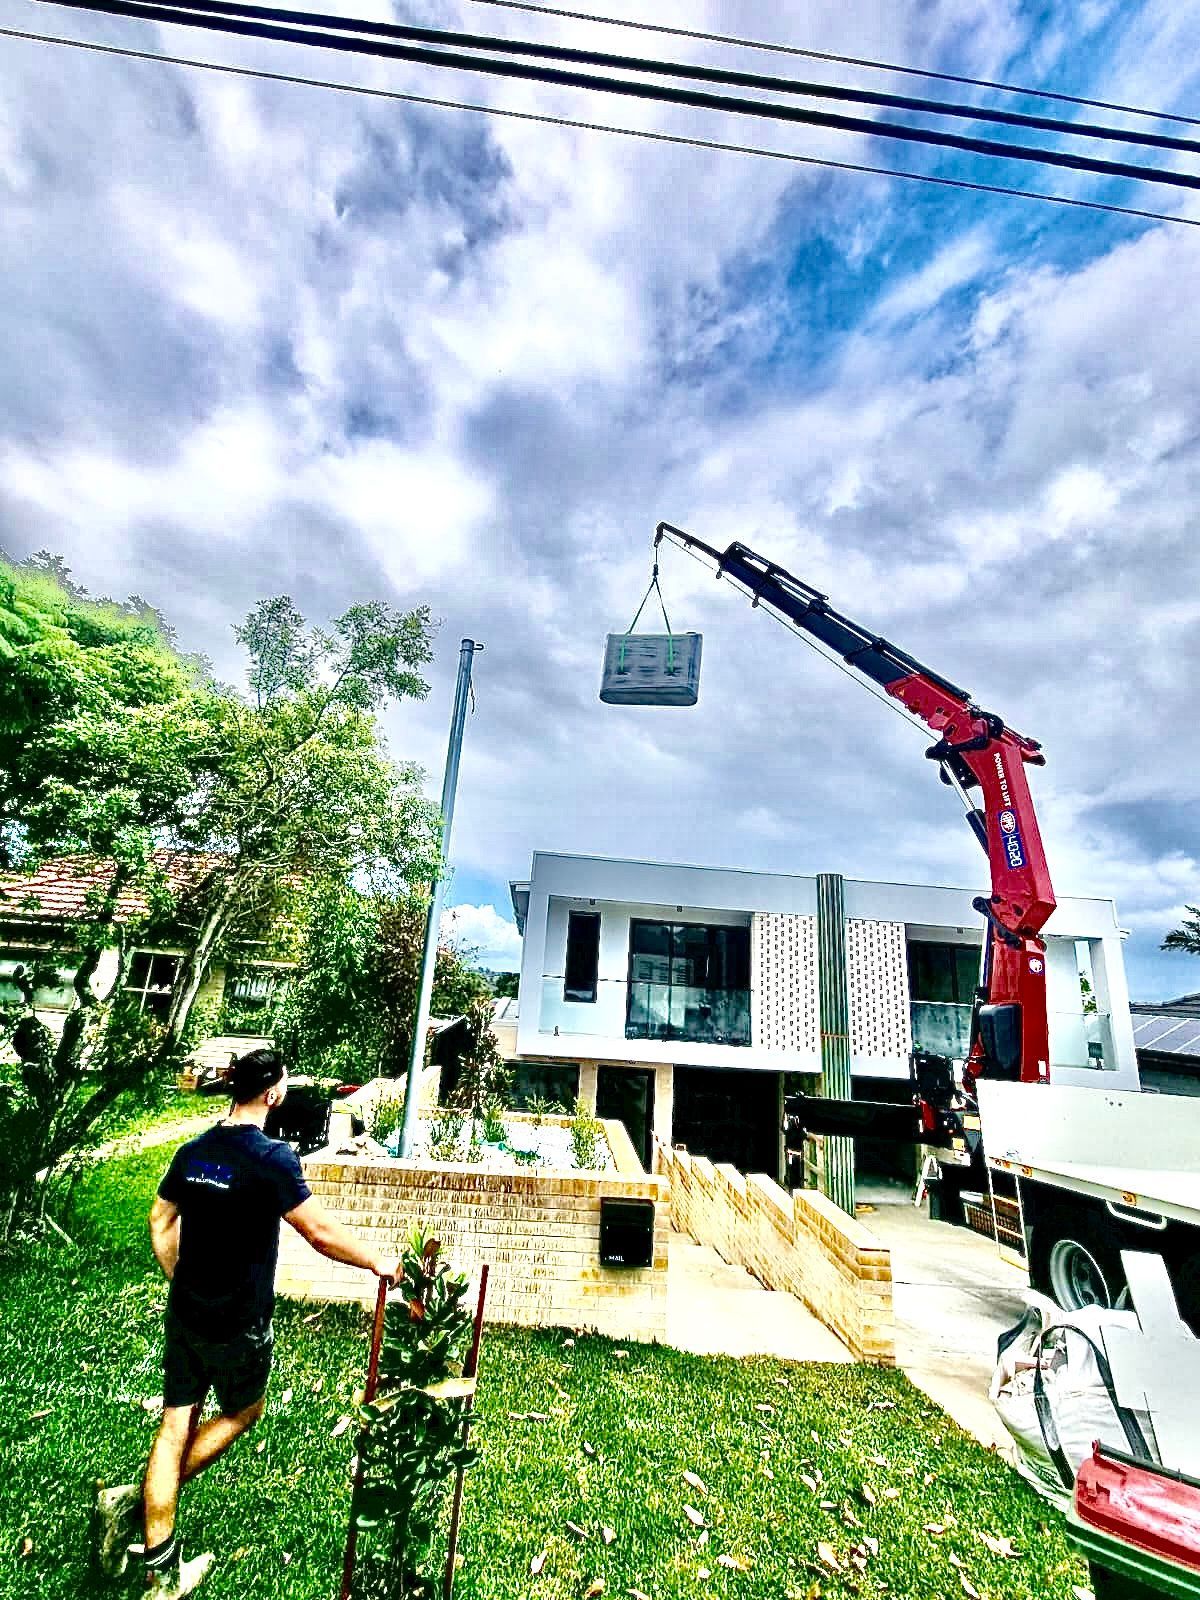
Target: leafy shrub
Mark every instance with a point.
(493, 1123)
(587, 1139)
(539, 1108)
(411, 1443)
(385, 1115)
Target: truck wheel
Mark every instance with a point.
(1071, 1263)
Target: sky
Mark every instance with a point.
(262, 338)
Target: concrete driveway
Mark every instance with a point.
(953, 1297)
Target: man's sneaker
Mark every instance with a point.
(179, 1579)
(115, 1516)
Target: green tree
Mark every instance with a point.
(1187, 935)
(505, 985)
(352, 1001)
(116, 749)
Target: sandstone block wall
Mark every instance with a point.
(799, 1242)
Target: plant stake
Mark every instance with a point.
(470, 1370)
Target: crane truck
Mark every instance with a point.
(1082, 1173)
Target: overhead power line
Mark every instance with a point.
(768, 83)
(841, 60)
(663, 93)
(596, 127)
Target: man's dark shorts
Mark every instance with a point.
(237, 1369)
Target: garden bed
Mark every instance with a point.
(529, 1144)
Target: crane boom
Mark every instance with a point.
(974, 750)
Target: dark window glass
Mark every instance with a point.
(583, 955)
(557, 1081)
(945, 973)
(688, 981)
(139, 970)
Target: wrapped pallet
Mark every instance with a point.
(651, 669)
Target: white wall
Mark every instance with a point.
(554, 1028)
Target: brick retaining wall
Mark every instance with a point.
(799, 1242)
(540, 1232)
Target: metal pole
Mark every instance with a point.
(835, 1031)
(416, 1062)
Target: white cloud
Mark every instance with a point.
(482, 928)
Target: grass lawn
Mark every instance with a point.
(571, 1433)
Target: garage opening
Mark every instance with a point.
(729, 1114)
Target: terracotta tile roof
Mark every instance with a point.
(58, 891)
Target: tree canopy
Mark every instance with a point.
(1187, 935)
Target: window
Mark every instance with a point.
(556, 1081)
(55, 995)
(689, 981)
(150, 981)
(583, 955)
(254, 988)
(948, 973)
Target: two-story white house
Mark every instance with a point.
(681, 999)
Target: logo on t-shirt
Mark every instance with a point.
(214, 1174)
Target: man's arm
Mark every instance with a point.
(164, 1233)
(326, 1235)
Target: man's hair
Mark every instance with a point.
(254, 1073)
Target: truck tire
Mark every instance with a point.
(1072, 1262)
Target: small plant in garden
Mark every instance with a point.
(587, 1138)
(445, 1135)
(411, 1443)
(539, 1108)
(474, 1146)
(493, 1123)
(385, 1115)
(526, 1158)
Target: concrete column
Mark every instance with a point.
(835, 1030)
(664, 1102)
(587, 1084)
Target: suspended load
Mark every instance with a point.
(651, 669)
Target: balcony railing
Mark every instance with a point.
(941, 1028)
(677, 1011)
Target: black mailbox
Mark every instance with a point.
(626, 1233)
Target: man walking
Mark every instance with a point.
(215, 1232)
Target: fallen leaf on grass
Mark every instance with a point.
(866, 1494)
(588, 1449)
(955, 1561)
(871, 1545)
(999, 1546)
(767, 1473)
(260, 1447)
(26, 1547)
(340, 1427)
(879, 1461)
(568, 1344)
(315, 1317)
(762, 1406)
(732, 1563)
(881, 1405)
(594, 1588)
(969, 1588)
(621, 1355)
(702, 1573)
(608, 1534)
(38, 1415)
(696, 1483)
(285, 1399)
(637, 1594)
(696, 1518)
(1081, 1593)
(703, 1539)
(891, 1494)
(829, 1556)
(809, 1482)
(850, 1519)
(287, 1556)
(318, 1385)
(538, 1562)
(935, 1528)
(580, 1533)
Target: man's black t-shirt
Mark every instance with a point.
(231, 1185)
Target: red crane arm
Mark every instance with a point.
(974, 750)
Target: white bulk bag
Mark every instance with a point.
(1081, 1402)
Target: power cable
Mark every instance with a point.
(661, 93)
(842, 60)
(670, 69)
(598, 127)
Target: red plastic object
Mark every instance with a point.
(1141, 1505)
